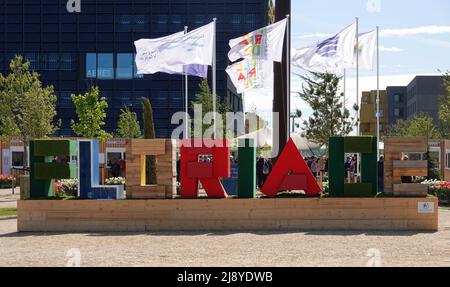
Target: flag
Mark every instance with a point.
(177, 53)
(195, 47)
(330, 56)
(366, 50)
(262, 44)
(251, 74)
(149, 56)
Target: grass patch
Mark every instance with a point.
(8, 211)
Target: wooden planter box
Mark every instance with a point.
(228, 215)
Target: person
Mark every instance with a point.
(267, 168)
(381, 174)
(354, 169)
(115, 168)
(314, 166)
(259, 171)
(348, 167)
(122, 165)
(406, 179)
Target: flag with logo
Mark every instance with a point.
(251, 74)
(178, 53)
(262, 44)
(329, 56)
(366, 50)
(195, 47)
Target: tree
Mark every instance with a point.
(444, 109)
(91, 112)
(204, 98)
(271, 12)
(420, 126)
(328, 119)
(27, 109)
(128, 125)
(149, 133)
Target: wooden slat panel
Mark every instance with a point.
(235, 214)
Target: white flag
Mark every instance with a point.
(251, 74)
(195, 47)
(262, 44)
(149, 59)
(366, 50)
(330, 56)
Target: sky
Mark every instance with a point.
(414, 40)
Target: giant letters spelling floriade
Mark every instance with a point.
(204, 162)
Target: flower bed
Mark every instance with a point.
(115, 181)
(7, 181)
(441, 189)
(66, 188)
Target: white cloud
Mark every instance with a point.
(392, 49)
(427, 30)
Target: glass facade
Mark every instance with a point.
(74, 51)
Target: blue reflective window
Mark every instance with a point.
(136, 75)
(105, 67)
(125, 65)
(91, 65)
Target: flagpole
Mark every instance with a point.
(186, 95)
(345, 88)
(288, 75)
(357, 76)
(243, 110)
(378, 92)
(214, 77)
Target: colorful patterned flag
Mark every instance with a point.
(262, 44)
(251, 74)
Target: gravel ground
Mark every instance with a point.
(228, 249)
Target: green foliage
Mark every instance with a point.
(149, 133)
(205, 98)
(271, 12)
(328, 119)
(444, 109)
(420, 126)
(128, 125)
(91, 113)
(27, 109)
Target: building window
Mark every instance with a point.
(381, 128)
(124, 69)
(381, 114)
(105, 67)
(17, 159)
(397, 98)
(91, 65)
(397, 113)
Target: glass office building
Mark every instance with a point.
(73, 51)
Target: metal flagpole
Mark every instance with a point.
(357, 75)
(345, 88)
(186, 95)
(214, 77)
(378, 92)
(243, 110)
(288, 75)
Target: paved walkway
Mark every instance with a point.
(7, 199)
(229, 249)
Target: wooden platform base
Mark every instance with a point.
(420, 214)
